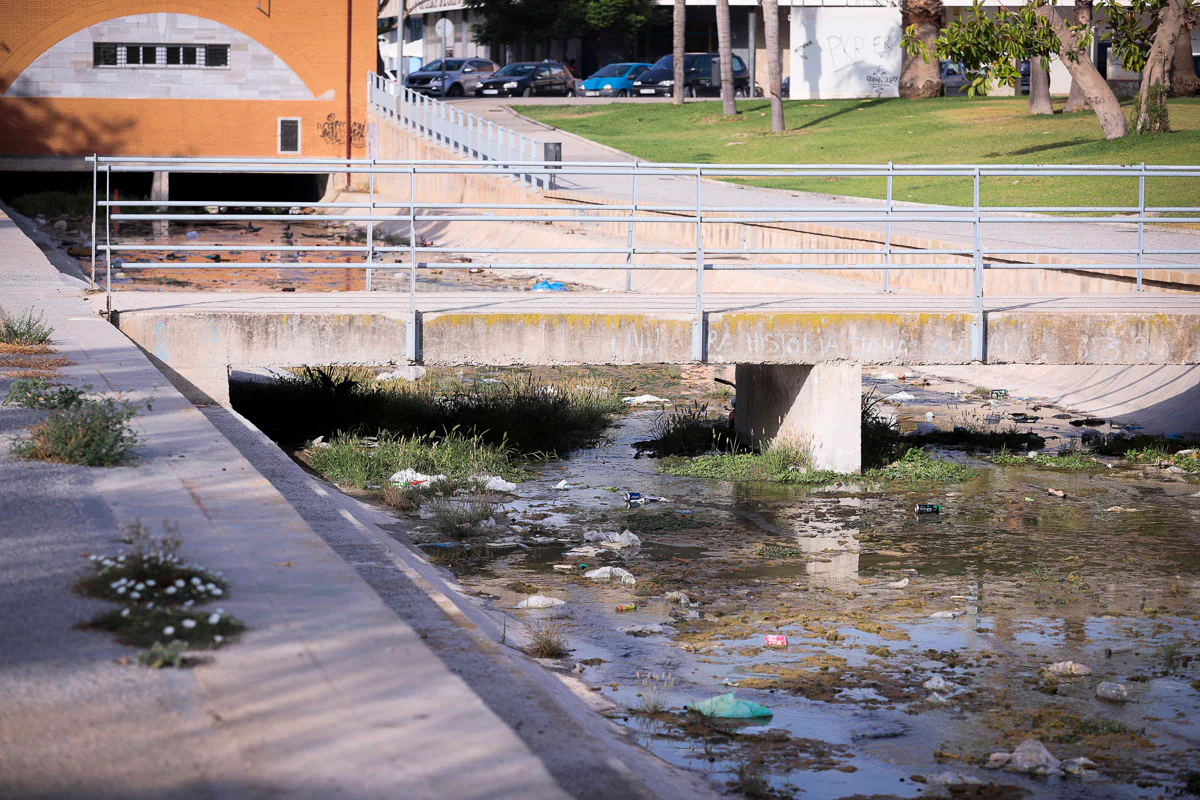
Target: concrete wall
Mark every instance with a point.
(845, 52)
(815, 406)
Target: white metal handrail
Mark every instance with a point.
(460, 131)
(688, 181)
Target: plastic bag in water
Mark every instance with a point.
(729, 707)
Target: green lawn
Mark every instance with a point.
(940, 131)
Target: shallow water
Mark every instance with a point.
(1036, 580)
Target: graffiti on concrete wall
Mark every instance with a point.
(845, 52)
(333, 131)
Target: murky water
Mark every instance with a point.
(1030, 579)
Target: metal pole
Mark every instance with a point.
(108, 237)
(698, 322)
(95, 210)
(410, 334)
(977, 332)
(887, 243)
(370, 224)
(1141, 228)
(632, 228)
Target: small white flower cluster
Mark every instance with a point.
(213, 619)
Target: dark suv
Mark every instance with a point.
(701, 77)
(528, 79)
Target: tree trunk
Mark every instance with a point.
(920, 78)
(679, 35)
(1039, 87)
(1184, 82)
(774, 63)
(1096, 90)
(1156, 77)
(1083, 17)
(725, 51)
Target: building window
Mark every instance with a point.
(289, 135)
(215, 56)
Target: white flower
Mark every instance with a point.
(196, 581)
(213, 619)
(171, 590)
(151, 583)
(140, 586)
(135, 595)
(114, 584)
(168, 631)
(189, 623)
(218, 639)
(149, 605)
(124, 612)
(189, 603)
(121, 590)
(180, 583)
(210, 586)
(217, 592)
(121, 559)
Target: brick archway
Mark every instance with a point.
(246, 20)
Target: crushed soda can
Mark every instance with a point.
(928, 508)
(776, 640)
(998, 394)
(626, 607)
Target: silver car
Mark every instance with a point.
(450, 77)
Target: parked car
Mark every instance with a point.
(528, 79)
(615, 80)
(954, 78)
(702, 77)
(450, 77)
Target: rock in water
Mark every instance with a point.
(1031, 756)
(1112, 691)
(1068, 668)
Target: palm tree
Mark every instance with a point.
(774, 63)
(1083, 19)
(680, 34)
(725, 53)
(921, 78)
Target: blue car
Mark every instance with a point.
(615, 80)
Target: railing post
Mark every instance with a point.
(370, 225)
(95, 210)
(887, 234)
(108, 237)
(1141, 226)
(411, 340)
(977, 325)
(632, 231)
(698, 323)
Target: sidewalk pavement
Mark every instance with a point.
(329, 694)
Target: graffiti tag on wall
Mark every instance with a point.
(333, 131)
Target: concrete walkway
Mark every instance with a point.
(329, 693)
(676, 191)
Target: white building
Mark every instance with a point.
(832, 48)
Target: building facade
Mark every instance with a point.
(186, 78)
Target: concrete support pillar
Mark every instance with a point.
(815, 405)
(160, 190)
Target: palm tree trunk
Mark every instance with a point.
(1184, 82)
(1083, 18)
(1156, 78)
(921, 78)
(1039, 87)
(774, 63)
(725, 51)
(679, 35)
(1096, 90)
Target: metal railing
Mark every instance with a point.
(876, 249)
(460, 131)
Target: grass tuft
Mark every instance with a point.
(369, 462)
(93, 433)
(41, 394)
(548, 639)
(654, 692)
(160, 655)
(687, 431)
(461, 517)
(26, 330)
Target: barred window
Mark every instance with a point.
(289, 135)
(106, 54)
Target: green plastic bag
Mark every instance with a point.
(728, 706)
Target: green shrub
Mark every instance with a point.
(160, 655)
(688, 430)
(150, 572)
(41, 394)
(93, 433)
(54, 204)
(369, 462)
(917, 466)
(142, 626)
(25, 330)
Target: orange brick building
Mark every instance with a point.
(185, 77)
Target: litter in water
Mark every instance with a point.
(727, 706)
